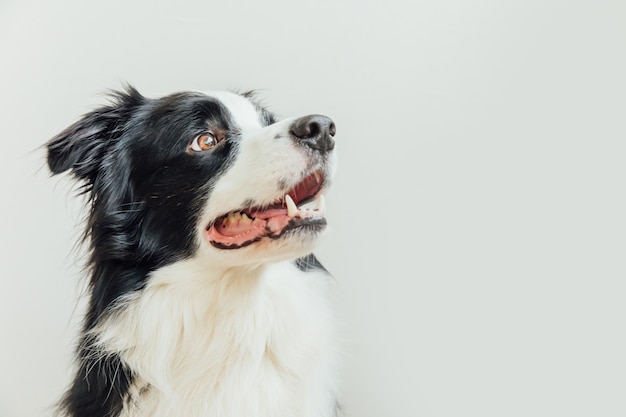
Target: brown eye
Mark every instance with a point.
(203, 142)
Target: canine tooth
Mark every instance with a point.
(318, 176)
(292, 210)
(321, 203)
(245, 219)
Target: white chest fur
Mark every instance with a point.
(254, 342)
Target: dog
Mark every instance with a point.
(204, 297)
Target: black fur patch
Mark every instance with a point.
(100, 387)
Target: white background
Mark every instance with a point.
(478, 224)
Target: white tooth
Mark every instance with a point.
(292, 210)
(321, 203)
(233, 217)
(318, 177)
(245, 219)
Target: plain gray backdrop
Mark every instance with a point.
(477, 221)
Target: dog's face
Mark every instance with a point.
(209, 175)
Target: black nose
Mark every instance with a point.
(315, 131)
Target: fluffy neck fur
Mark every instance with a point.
(233, 342)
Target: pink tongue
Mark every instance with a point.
(277, 223)
(234, 229)
(272, 212)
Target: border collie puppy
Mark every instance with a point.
(204, 297)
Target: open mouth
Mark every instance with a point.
(302, 207)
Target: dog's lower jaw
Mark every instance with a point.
(245, 342)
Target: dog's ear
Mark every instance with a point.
(81, 147)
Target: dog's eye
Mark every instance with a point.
(203, 142)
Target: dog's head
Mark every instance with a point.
(209, 175)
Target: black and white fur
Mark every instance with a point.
(177, 326)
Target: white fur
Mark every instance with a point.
(244, 112)
(236, 342)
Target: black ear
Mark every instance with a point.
(82, 146)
